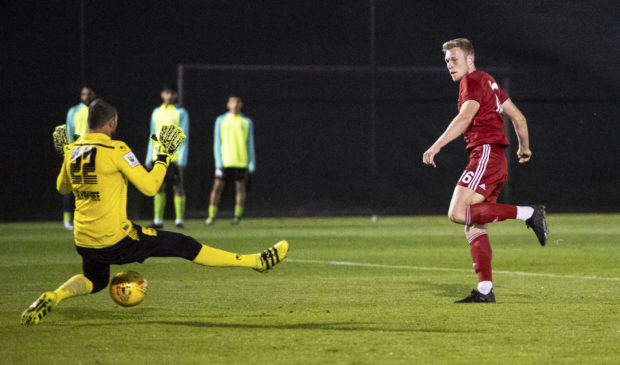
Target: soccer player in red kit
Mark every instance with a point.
(481, 106)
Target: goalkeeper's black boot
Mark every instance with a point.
(538, 223)
(157, 225)
(478, 297)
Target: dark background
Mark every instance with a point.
(318, 150)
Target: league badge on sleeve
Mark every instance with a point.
(131, 159)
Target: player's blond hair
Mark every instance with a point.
(462, 43)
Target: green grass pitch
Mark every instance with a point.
(350, 292)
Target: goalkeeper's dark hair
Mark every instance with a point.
(99, 112)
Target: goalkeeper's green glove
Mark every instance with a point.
(60, 138)
(167, 141)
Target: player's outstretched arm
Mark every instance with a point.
(458, 125)
(520, 124)
(167, 142)
(147, 182)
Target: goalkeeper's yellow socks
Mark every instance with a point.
(179, 207)
(159, 205)
(210, 256)
(77, 285)
(238, 211)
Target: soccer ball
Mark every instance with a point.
(128, 288)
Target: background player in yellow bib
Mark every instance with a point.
(77, 124)
(170, 113)
(233, 150)
(97, 168)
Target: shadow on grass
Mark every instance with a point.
(459, 291)
(103, 318)
(455, 291)
(329, 326)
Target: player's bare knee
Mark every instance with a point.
(456, 217)
(218, 186)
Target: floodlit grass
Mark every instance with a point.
(351, 292)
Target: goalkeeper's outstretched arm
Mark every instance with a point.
(167, 142)
(147, 182)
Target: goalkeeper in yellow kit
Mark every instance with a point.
(96, 169)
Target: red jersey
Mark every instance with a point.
(488, 123)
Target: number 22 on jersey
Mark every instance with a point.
(82, 166)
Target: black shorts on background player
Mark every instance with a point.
(173, 174)
(231, 174)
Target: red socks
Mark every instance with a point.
(486, 212)
(479, 245)
(481, 255)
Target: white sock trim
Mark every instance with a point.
(158, 221)
(484, 287)
(524, 213)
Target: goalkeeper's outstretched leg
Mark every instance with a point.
(261, 262)
(148, 242)
(166, 244)
(77, 285)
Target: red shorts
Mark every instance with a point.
(486, 171)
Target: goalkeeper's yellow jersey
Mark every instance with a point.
(97, 168)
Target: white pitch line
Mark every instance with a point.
(427, 268)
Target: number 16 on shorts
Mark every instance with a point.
(467, 177)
